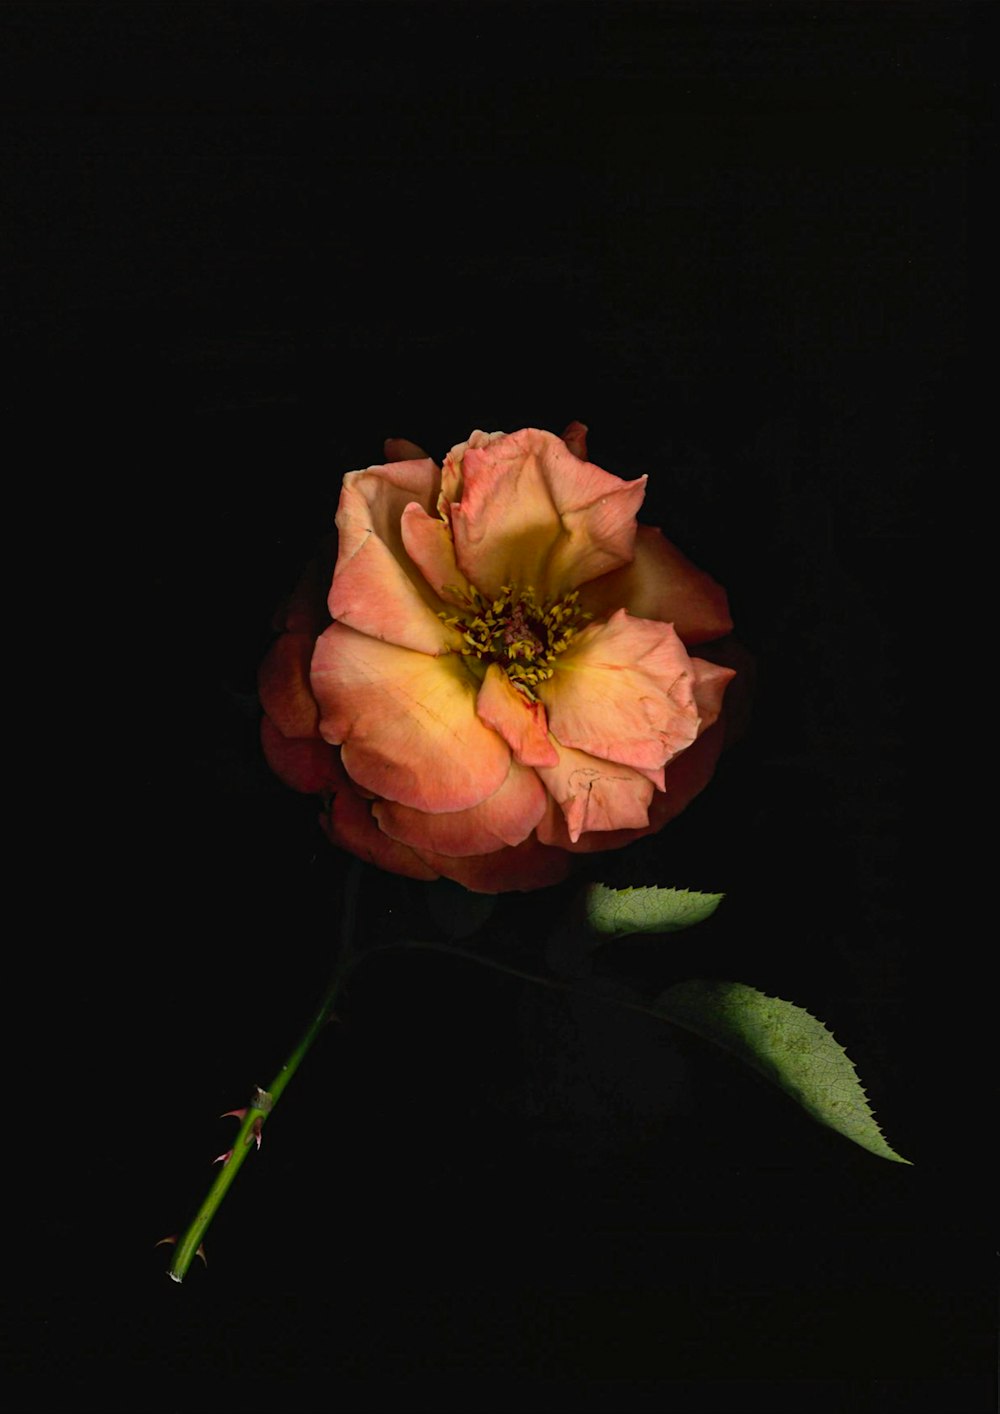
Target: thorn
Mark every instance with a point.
(262, 1101)
(172, 1241)
(223, 1158)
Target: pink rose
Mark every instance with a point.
(498, 674)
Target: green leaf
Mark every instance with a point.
(619, 912)
(787, 1046)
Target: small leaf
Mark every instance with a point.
(619, 912)
(787, 1046)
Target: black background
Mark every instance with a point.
(249, 242)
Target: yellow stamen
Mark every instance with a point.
(514, 630)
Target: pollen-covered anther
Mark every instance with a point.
(515, 631)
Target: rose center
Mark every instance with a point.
(524, 636)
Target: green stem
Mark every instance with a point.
(555, 983)
(262, 1102)
(409, 944)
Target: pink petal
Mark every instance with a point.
(726, 652)
(451, 471)
(399, 449)
(532, 513)
(553, 830)
(521, 723)
(506, 818)
(575, 437)
(661, 583)
(283, 686)
(307, 765)
(526, 866)
(710, 683)
(349, 824)
(427, 540)
(595, 794)
(376, 588)
(685, 777)
(625, 691)
(408, 722)
(306, 610)
(529, 865)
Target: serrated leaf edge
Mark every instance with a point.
(763, 1071)
(611, 936)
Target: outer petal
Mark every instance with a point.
(305, 764)
(532, 513)
(283, 685)
(400, 449)
(575, 437)
(661, 583)
(408, 722)
(685, 777)
(530, 865)
(306, 610)
(726, 652)
(506, 818)
(522, 724)
(349, 824)
(625, 691)
(376, 588)
(595, 794)
(710, 683)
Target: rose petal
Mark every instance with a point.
(451, 470)
(407, 721)
(427, 540)
(575, 437)
(532, 513)
(526, 866)
(595, 794)
(376, 588)
(507, 817)
(283, 685)
(685, 777)
(400, 449)
(625, 691)
(522, 724)
(662, 583)
(306, 610)
(349, 824)
(710, 683)
(726, 652)
(306, 764)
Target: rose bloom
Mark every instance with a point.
(497, 676)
